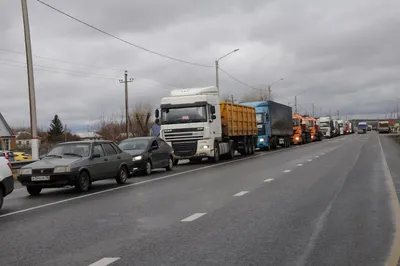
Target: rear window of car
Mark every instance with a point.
(109, 149)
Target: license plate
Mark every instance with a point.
(40, 178)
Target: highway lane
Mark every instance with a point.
(325, 203)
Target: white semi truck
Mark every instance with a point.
(197, 125)
(341, 127)
(326, 126)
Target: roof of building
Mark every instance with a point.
(88, 135)
(7, 127)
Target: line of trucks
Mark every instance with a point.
(198, 125)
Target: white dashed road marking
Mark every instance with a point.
(300, 164)
(309, 160)
(241, 193)
(104, 262)
(268, 180)
(316, 156)
(322, 153)
(287, 171)
(193, 217)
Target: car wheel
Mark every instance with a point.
(170, 164)
(82, 182)
(1, 198)
(147, 168)
(34, 191)
(122, 175)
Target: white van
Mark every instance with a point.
(6, 179)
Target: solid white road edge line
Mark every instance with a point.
(241, 193)
(104, 262)
(268, 180)
(193, 217)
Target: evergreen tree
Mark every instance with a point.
(56, 129)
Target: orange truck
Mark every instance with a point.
(301, 132)
(313, 127)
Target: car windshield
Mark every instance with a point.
(324, 124)
(295, 122)
(134, 144)
(72, 149)
(259, 118)
(184, 115)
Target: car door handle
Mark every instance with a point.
(105, 159)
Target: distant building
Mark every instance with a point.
(89, 136)
(7, 137)
(23, 139)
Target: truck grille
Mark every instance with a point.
(184, 148)
(183, 134)
(42, 171)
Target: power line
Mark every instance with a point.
(238, 80)
(122, 40)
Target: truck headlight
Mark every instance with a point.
(261, 140)
(137, 158)
(25, 171)
(62, 169)
(206, 146)
(312, 137)
(297, 138)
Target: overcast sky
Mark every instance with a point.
(339, 55)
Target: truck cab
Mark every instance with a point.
(301, 134)
(190, 121)
(326, 126)
(341, 127)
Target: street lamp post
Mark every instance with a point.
(269, 87)
(217, 67)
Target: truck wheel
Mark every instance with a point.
(34, 191)
(1, 198)
(252, 146)
(273, 144)
(216, 153)
(231, 153)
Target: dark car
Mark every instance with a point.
(148, 153)
(78, 164)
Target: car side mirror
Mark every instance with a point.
(96, 155)
(212, 109)
(157, 113)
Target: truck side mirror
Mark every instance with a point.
(213, 116)
(157, 113)
(212, 109)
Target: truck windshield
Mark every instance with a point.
(324, 124)
(184, 115)
(259, 118)
(383, 125)
(295, 122)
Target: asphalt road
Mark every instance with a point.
(326, 203)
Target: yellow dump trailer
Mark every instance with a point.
(238, 120)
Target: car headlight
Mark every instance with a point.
(62, 169)
(261, 140)
(206, 146)
(137, 158)
(297, 138)
(25, 171)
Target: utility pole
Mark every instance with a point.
(217, 74)
(313, 109)
(295, 104)
(65, 133)
(269, 92)
(31, 83)
(232, 99)
(397, 111)
(337, 114)
(321, 112)
(125, 81)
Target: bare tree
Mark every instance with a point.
(140, 119)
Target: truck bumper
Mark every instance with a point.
(193, 149)
(295, 139)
